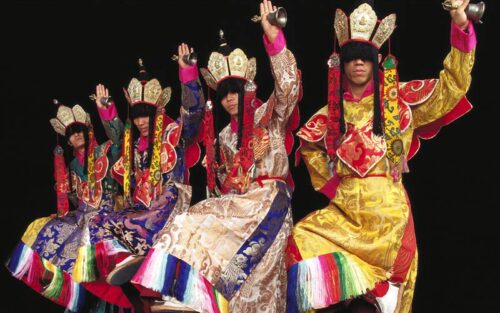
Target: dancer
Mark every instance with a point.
(226, 254)
(355, 150)
(153, 169)
(46, 257)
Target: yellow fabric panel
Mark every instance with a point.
(454, 81)
(367, 219)
(359, 113)
(315, 158)
(33, 229)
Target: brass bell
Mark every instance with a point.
(276, 18)
(191, 58)
(105, 101)
(474, 11)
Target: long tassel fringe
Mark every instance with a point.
(326, 280)
(96, 260)
(180, 280)
(29, 267)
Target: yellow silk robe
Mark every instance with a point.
(369, 212)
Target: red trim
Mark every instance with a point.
(109, 293)
(429, 131)
(380, 289)
(261, 178)
(292, 253)
(330, 188)
(407, 251)
(231, 76)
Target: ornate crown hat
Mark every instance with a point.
(68, 116)
(363, 21)
(148, 91)
(221, 67)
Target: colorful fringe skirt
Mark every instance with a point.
(225, 254)
(365, 236)
(46, 256)
(119, 234)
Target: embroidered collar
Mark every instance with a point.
(143, 143)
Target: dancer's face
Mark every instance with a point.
(142, 124)
(359, 72)
(230, 103)
(77, 140)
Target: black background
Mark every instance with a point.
(62, 49)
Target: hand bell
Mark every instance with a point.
(474, 11)
(190, 59)
(276, 18)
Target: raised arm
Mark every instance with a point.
(193, 101)
(113, 126)
(313, 151)
(283, 66)
(455, 78)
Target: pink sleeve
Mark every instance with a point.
(187, 74)
(273, 48)
(109, 113)
(464, 41)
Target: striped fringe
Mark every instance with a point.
(95, 261)
(29, 267)
(171, 276)
(85, 268)
(326, 280)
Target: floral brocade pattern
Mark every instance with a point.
(237, 241)
(253, 249)
(273, 161)
(367, 218)
(58, 241)
(369, 212)
(136, 228)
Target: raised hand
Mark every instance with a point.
(183, 50)
(101, 92)
(457, 13)
(270, 30)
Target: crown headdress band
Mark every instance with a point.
(67, 116)
(221, 67)
(149, 92)
(360, 26)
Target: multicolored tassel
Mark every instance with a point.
(392, 131)
(127, 158)
(29, 267)
(333, 125)
(62, 181)
(246, 149)
(94, 261)
(326, 280)
(84, 269)
(91, 162)
(171, 276)
(154, 168)
(241, 174)
(209, 143)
